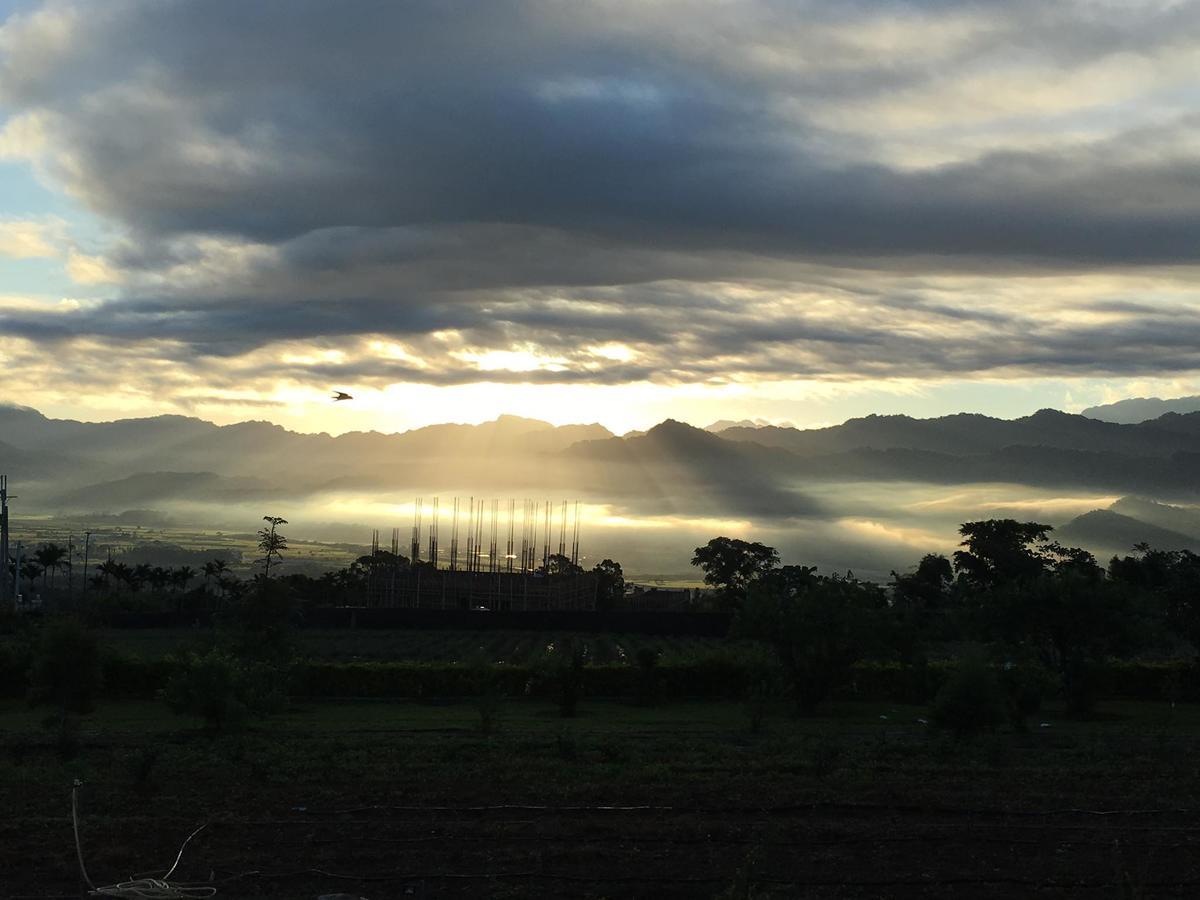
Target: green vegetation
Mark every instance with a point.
(65, 670)
(610, 755)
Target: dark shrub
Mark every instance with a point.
(972, 700)
(560, 673)
(648, 689)
(1024, 687)
(487, 695)
(223, 690)
(66, 670)
(16, 657)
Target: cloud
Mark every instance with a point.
(727, 192)
(90, 270)
(23, 239)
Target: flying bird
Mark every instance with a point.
(341, 395)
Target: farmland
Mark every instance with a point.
(465, 796)
(684, 800)
(497, 647)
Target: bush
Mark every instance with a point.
(762, 689)
(1024, 687)
(66, 670)
(16, 657)
(223, 690)
(971, 701)
(648, 692)
(488, 697)
(560, 673)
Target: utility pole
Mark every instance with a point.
(17, 576)
(6, 583)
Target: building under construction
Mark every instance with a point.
(495, 560)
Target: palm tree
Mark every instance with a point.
(182, 576)
(214, 569)
(158, 578)
(50, 557)
(140, 574)
(30, 570)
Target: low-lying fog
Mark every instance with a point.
(867, 527)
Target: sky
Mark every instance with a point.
(615, 211)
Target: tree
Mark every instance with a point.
(158, 578)
(557, 564)
(140, 574)
(1070, 620)
(610, 584)
(818, 626)
(732, 565)
(1170, 580)
(271, 543)
(917, 599)
(927, 588)
(1001, 551)
(51, 558)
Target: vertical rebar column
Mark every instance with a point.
(493, 551)
(546, 540)
(454, 538)
(525, 534)
(371, 566)
(87, 546)
(562, 531)
(471, 535)
(575, 538)
(418, 508)
(433, 533)
(512, 515)
(6, 585)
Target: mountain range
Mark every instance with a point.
(1141, 409)
(748, 471)
(139, 459)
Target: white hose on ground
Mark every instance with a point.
(140, 888)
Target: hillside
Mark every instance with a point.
(1140, 409)
(1105, 532)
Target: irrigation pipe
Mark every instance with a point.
(140, 887)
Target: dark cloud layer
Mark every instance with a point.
(695, 182)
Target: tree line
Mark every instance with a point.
(1026, 600)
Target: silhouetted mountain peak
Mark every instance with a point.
(509, 421)
(1048, 414)
(673, 429)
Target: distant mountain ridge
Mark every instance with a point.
(673, 468)
(724, 424)
(163, 458)
(1141, 409)
(971, 433)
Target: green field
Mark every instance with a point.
(465, 790)
(303, 555)
(502, 647)
(396, 798)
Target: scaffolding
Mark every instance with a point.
(6, 585)
(477, 576)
